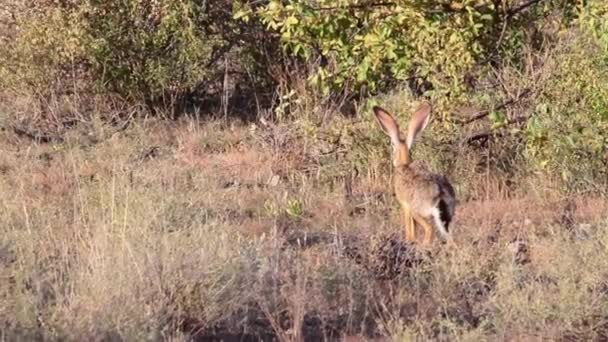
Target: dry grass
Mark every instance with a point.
(178, 232)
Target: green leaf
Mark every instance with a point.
(291, 21)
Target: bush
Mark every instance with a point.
(432, 45)
(144, 51)
(566, 135)
(169, 53)
(41, 51)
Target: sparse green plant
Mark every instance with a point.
(294, 208)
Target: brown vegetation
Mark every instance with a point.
(211, 170)
(155, 234)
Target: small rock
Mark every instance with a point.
(274, 180)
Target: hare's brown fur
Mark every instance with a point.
(426, 198)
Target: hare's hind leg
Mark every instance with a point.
(408, 224)
(428, 230)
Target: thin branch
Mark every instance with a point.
(487, 134)
(482, 114)
(359, 6)
(38, 137)
(505, 23)
(484, 136)
(446, 7)
(514, 11)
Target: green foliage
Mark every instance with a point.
(39, 54)
(375, 44)
(566, 135)
(294, 208)
(594, 19)
(145, 51)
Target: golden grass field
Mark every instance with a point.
(185, 231)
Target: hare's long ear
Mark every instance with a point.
(418, 122)
(388, 124)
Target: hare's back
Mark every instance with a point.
(424, 191)
(419, 190)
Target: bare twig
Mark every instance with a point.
(516, 10)
(482, 114)
(38, 137)
(487, 134)
(359, 6)
(271, 319)
(482, 136)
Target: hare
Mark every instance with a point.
(425, 198)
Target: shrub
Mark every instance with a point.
(144, 51)
(566, 135)
(40, 52)
(432, 45)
